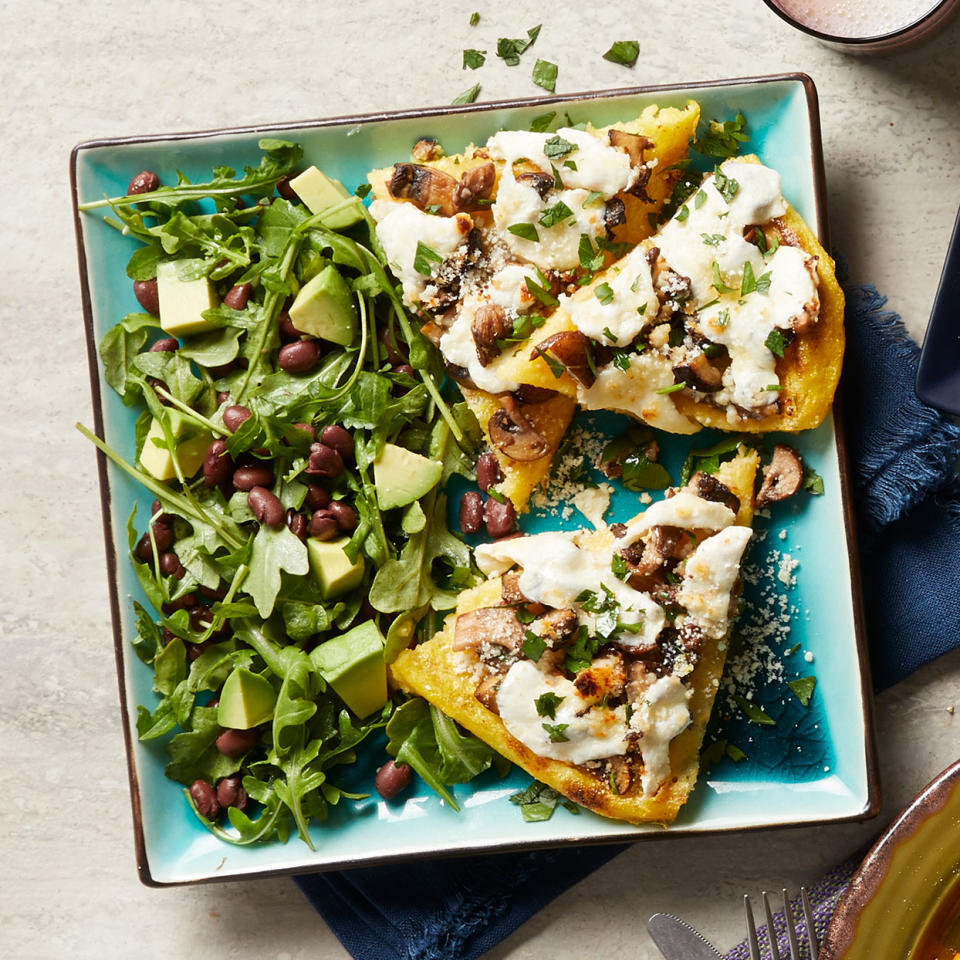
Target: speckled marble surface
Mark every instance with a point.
(70, 72)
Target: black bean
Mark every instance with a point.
(323, 525)
(406, 369)
(146, 293)
(194, 650)
(217, 464)
(235, 743)
(287, 330)
(234, 415)
(170, 565)
(252, 475)
(204, 799)
(301, 356)
(156, 508)
(345, 516)
(185, 602)
(297, 523)
(471, 512)
(341, 440)
(166, 345)
(200, 618)
(317, 497)
(499, 517)
(230, 793)
(222, 396)
(392, 778)
(266, 507)
(286, 191)
(213, 593)
(162, 535)
(488, 471)
(237, 296)
(324, 461)
(146, 181)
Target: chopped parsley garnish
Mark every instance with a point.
(533, 645)
(545, 75)
(555, 214)
(580, 653)
(722, 139)
(547, 704)
(812, 481)
(557, 180)
(556, 367)
(619, 567)
(570, 165)
(734, 753)
(712, 350)
(555, 730)
(473, 59)
(621, 359)
(524, 615)
(723, 319)
(500, 498)
(468, 96)
(538, 802)
(592, 197)
(609, 334)
(556, 148)
(541, 291)
(700, 199)
(617, 249)
(712, 239)
(775, 342)
(604, 293)
(474, 18)
(753, 712)
(590, 260)
(718, 283)
(624, 52)
(433, 208)
(672, 389)
(773, 386)
(750, 282)
(423, 258)
(509, 50)
(726, 186)
(803, 688)
(362, 190)
(542, 123)
(526, 231)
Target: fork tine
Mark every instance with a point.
(771, 931)
(811, 927)
(791, 931)
(751, 930)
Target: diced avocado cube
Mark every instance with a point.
(335, 572)
(402, 476)
(320, 192)
(191, 447)
(182, 301)
(324, 308)
(246, 700)
(353, 665)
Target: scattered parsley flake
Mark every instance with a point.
(556, 147)
(718, 283)
(474, 18)
(524, 615)
(468, 96)
(589, 260)
(619, 567)
(722, 139)
(803, 688)
(812, 481)
(423, 258)
(609, 334)
(726, 186)
(682, 214)
(474, 58)
(526, 231)
(604, 293)
(712, 239)
(700, 199)
(545, 75)
(362, 190)
(775, 342)
(509, 50)
(735, 753)
(533, 645)
(672, 389)
(542, 123)
(555, 214)
(624, 52)
(547, 704)
(556, 732)
(592, 197)
(754, 713)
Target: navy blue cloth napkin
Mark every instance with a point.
(907, 501)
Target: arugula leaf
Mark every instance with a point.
(624, 52)
(538, 801)
(413, 741)
(545, 75)
(274, 549)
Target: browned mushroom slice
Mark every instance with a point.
(664, 547)
(614, 214)
(698, 373)
(782, 476)
(510, 588)
(490, 324)
(486, 691)
(556, 626)
(633, 143)
(424, 186)
(528, 394)
(461, 375)
(474, 186)
(513, 435)
(710, 488)
(489, 626)
(620, 777)
(572, 349)
(541, 182)
(426, 149)
(433, 332)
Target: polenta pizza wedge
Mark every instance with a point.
(592, 659)
(485, 243)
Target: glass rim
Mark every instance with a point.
(854, 41)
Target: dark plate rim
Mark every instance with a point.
(872, 805)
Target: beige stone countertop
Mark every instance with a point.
(70, 72)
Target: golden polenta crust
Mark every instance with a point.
(431, 671)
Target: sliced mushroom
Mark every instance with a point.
(614, 214)
(426, 149)
(639, 680)
(633, 143)
(605, 677)
(786, 235)
(489, 626)
(513, 435)
(490, 324)
(475, 185)
(782, 477)
(664, 547)
(555, 626)
(528, 394)
(620, 776)
(572, 349)
(510, 588)
(487, 689)
(461, 375)
(708, 487)
(690, 637)
(433, 332)
(699, 374)
(424, 186)
(541, 182)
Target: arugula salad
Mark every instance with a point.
(295, 436)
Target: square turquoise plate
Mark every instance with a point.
(814, 765)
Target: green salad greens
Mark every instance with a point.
(234, 563)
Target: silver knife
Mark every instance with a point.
(677, 940)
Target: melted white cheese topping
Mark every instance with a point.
(458, 346)
(630, 305)
(708, 577)
(600, 732)
(685, 510)
(401, 225)
(663, 714)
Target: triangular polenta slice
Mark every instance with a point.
(668, 131)
(452, 680)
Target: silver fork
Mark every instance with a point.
(754, 944)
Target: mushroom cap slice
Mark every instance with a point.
(512, 434)
(782, 476)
